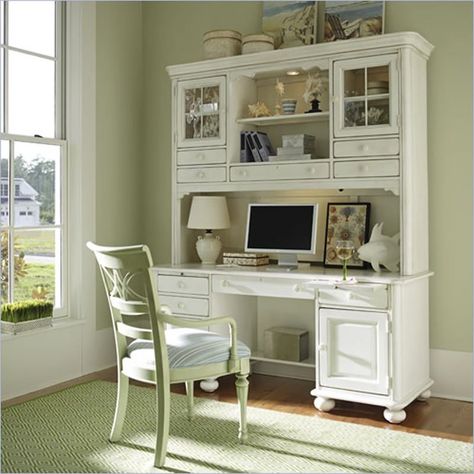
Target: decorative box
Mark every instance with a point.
(221, 43)
(245, 259)
(301, 140)
(257, 43)
(286, 343)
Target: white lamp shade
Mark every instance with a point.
(209, 212)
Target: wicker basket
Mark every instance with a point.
(221, 43)
(16, 328)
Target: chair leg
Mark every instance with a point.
(120, 407)
(163, 422)
(242, 386)
(190, 398)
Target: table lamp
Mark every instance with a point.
(208, 213)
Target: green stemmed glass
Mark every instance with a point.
(344, 251)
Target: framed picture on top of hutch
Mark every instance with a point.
(290, 23)
(346, 221)
(344, 20)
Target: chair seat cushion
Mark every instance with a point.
(187, 348)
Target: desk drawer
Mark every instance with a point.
(366, 168)
(363, 295)
(261, 286)
(186, 305)
(201, 175)
(183, 284)
(201, 157)
(382, 147)
(309, 170)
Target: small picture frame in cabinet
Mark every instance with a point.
(346, 221)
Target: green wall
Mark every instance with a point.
(119, 133)
(172, 33)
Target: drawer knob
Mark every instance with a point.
(364, 148)
(364, 168)
(312, 170)
(243, 173)
(181, 284)
(297, 288)
(200, 156)
(201, 174)
(225, 283)
(181, 305)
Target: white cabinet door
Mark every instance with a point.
(353, 350)
(201, 112)
(366, 96)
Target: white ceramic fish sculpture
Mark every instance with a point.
(381, 250)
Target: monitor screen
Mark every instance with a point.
(287, 228)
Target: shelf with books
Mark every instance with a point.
(285, 119)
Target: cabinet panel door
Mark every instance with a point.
(201, 112)
(353, 350)
(366, 96)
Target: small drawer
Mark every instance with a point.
(261, 286)
(382, 147)
(264, 172)
(186, 305)
(183, 284)
(366, 169)
(363, 295)
(201, 175)
(201, 157)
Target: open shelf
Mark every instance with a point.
(258, 356)
(286, 119)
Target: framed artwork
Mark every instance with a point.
(290, 23)
(346, 221)
(344, 20)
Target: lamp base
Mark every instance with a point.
(208, 248)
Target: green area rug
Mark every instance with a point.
(67, 432)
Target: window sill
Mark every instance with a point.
(61, 323)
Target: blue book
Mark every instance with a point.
(263, 145)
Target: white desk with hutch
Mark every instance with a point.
(369, 340)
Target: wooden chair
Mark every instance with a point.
(158, 355)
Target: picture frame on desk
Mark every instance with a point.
(346, 221)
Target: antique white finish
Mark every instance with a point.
(371, 145)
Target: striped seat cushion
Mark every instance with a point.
(187, 348)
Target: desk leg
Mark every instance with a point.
(209, 385)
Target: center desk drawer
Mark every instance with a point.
(186, 305)
(363, 295)
(183, 284)
(309, 170)
(261, 286)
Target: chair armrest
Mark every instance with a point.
(167, 317)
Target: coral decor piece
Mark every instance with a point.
(259, 109)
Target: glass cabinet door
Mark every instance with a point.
(201, 112)
(366, 96)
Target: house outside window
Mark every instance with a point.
(33, 153)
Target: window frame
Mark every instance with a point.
(57, 140)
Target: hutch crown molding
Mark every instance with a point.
(370, 341)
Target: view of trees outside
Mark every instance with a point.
(34, 249)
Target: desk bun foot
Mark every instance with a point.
(423, 396)
(394, 416)
(209, 385)
(324, 404)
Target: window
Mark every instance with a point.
(33, 153)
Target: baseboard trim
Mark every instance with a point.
(452, 374)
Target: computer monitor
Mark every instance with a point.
(286, 229)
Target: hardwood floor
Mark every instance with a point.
(439, 417)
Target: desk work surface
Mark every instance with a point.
(303, 272)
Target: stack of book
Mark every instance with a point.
(255, 146)
(295, 147)
(245, 259)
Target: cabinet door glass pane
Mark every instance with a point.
(193, 103)
(30, 95)
(4, 208)
(378, 111)
(378, 80)
(354, 83)
(5, 281)
(31, 26)
(354, 113)
(36, 181)
(38, 253)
